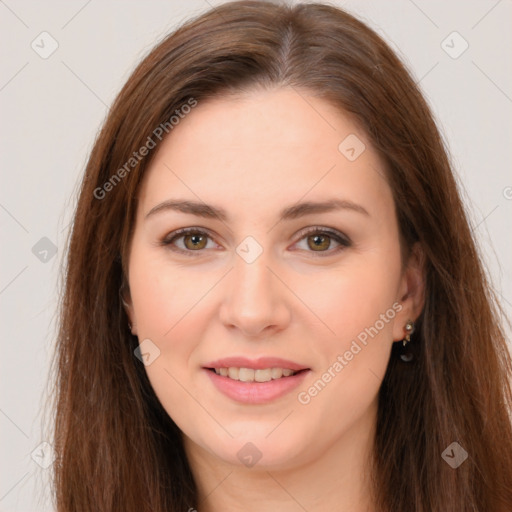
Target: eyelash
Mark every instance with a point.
(343, 240)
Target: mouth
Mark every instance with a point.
(255, 381)
(255, 375)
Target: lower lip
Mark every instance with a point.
(256, 392)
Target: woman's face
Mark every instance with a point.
(293, 263)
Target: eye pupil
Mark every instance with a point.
(196, 241)
(317, 242)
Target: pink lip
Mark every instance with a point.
(256, 392)
(256, 364)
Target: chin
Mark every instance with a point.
(258, 451)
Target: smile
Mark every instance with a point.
(252, 375)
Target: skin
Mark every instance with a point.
(253, 155)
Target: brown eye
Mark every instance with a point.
(187, 241)
(195, 241)
(319, 242)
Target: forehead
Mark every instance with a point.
(262, 148)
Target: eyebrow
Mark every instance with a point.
(291, 212)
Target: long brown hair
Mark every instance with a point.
(116, 447)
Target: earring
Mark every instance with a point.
(409, 329)
(407, 356)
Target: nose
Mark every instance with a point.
(256, 300)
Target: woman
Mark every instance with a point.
(273, 299)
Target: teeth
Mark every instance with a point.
(251, 375)
(246, 375)
(263, 375)
(276, 373)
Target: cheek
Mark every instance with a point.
(358, 304)
(173, 308)
(353, 298)
(167, 304)
(163, 294)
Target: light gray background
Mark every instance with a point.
(52, 108)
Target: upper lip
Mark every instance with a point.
(256, 364)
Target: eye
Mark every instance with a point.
(194, 239)
(319, 240)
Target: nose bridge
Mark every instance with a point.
(252, 277)
(250, 273)
(253, 301)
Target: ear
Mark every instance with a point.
(411, 291)
(126, 300)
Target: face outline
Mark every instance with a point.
(290, 302)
